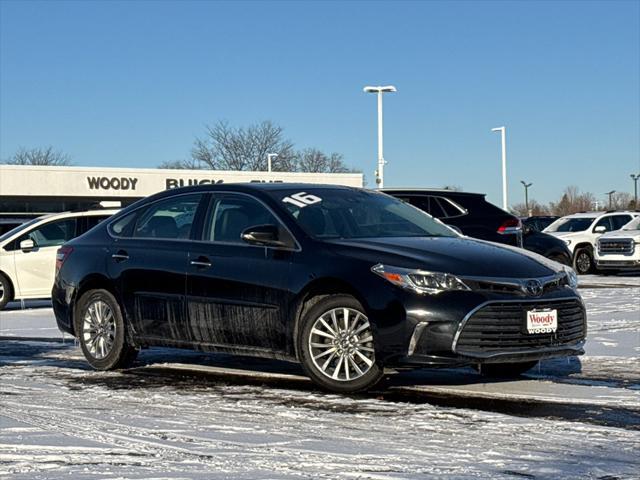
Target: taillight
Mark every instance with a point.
(61, 256)
(511, 225)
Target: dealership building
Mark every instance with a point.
(39, 189)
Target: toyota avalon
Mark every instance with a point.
(345, 281)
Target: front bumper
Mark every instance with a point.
(616, 262)
(493, 331)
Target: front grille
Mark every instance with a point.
(499, 327)
(623, 246)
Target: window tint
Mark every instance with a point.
(124, 226)
(576, 224)
(231, 215)
(93, 220)
(450, 208)
(427, 204)
(170, 218)
(604, 222)
(620, 221)
(52, 234)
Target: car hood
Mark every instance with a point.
(461, 256)
(621, 234)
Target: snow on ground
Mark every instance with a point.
(59, 419)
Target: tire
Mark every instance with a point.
(6, 291)
(583, 261)
(100, 329)
(505, 370)
(324, 355)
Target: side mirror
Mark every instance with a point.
(27, 245)
(600, 229)
(265, 235)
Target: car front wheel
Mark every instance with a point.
(5, 291)
(101, 331)
(336, 345)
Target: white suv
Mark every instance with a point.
(580, 232)
(619, 250)
(28, 252)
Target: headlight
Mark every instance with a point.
(419, 281)
(572, 277)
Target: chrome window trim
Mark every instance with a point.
(298, 248)
(466, 318)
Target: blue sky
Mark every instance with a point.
(132, 83)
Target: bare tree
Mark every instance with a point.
(621, 201)
(39, 156)
(536, 208)
(228, 148)
(315, 161)
(572, 201)
(246, 148)
(188, 164)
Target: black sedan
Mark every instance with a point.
(345, 281)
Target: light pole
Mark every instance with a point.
(379, 91)
(635, 189)
(610, 195)
(526, 195)
(269, 157)
(503, 132)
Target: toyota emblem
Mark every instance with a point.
(533, 288)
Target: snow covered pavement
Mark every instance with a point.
(189, 415)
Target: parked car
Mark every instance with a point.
(10, 222)
(619, 250)
(538, 223)
(473, 215)
(344, 280)
(28, 252)
(580, 232)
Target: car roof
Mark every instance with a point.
(600, 214)
(431, 190)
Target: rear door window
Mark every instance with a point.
(168, 219)
(619, 221)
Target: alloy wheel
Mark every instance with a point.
(341, 344)
(583, 262)
(99, 329)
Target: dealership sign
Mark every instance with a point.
(19, 180)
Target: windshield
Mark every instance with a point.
(633, 224)
(578, 224)
(352, 213)
(18, 229)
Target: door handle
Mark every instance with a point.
(201, 262)
(120, 256)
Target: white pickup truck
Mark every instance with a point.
(619, 250)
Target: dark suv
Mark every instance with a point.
(344, 280)
(472, 215)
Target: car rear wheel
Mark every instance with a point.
(6, 292)
(505, 370)
(583, 261)
(101, 331)
(336, 345)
